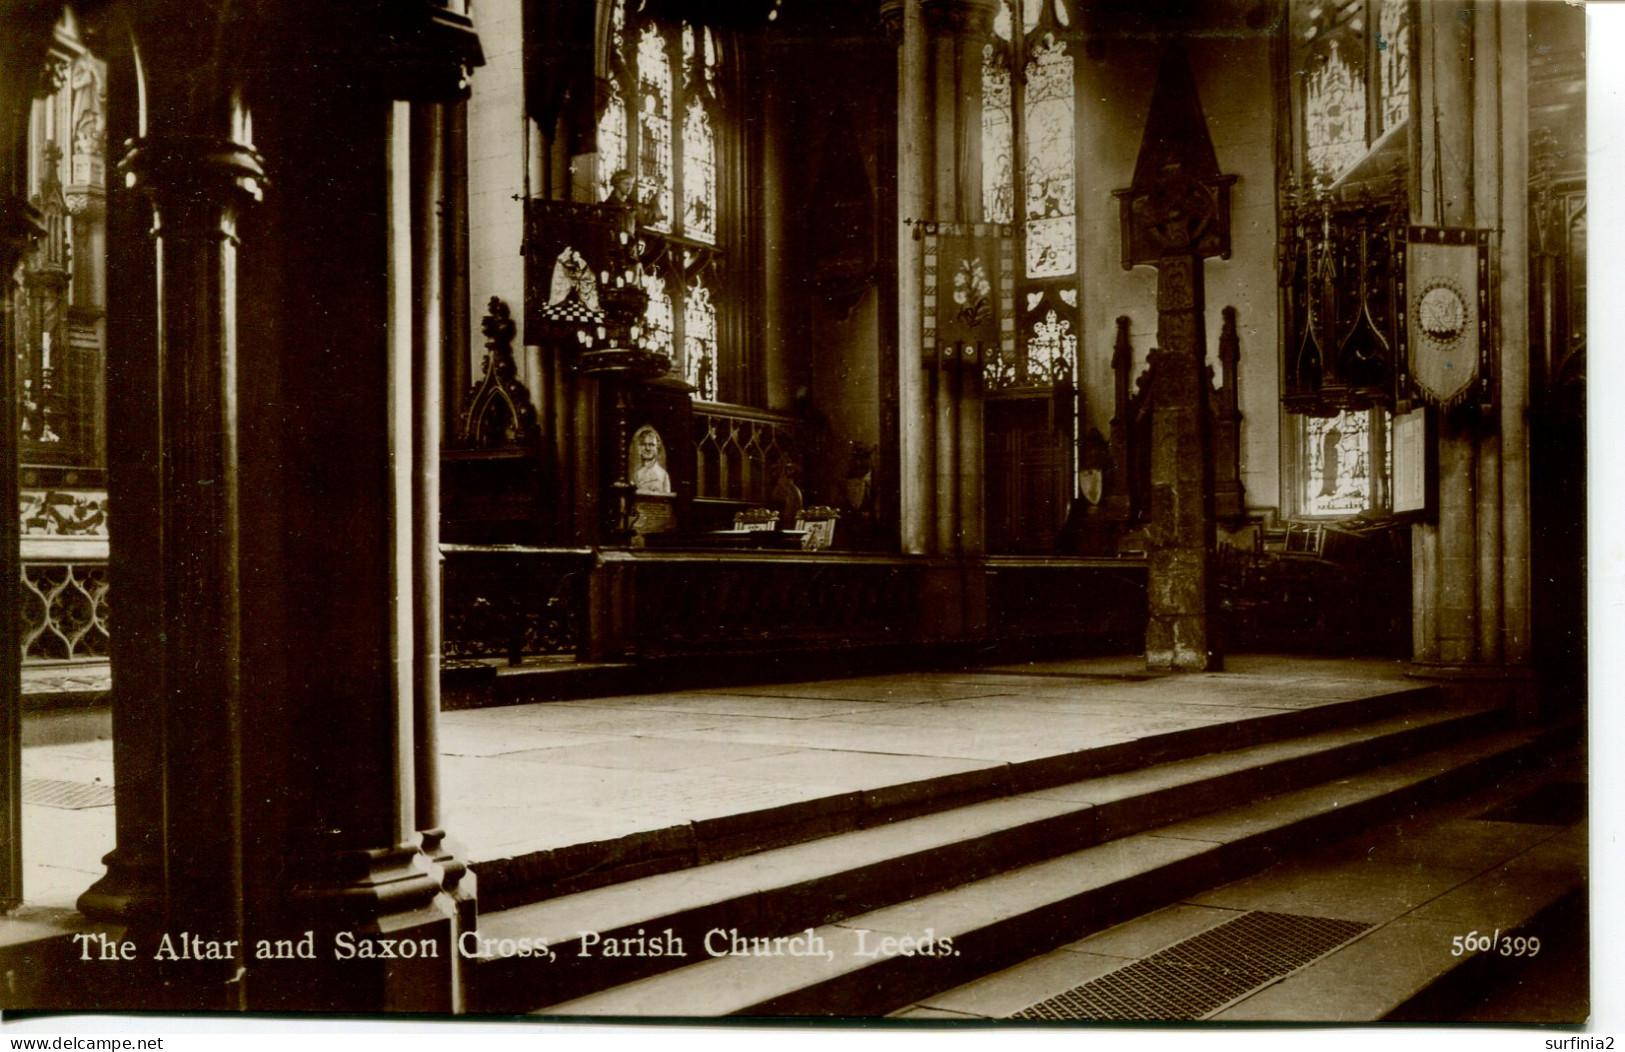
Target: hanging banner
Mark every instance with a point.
(969, 294)
(1445, 325)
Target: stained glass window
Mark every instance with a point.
(1336, 475)
(658, 323)
(1354, 60)
(699, 174)
(654, 124)
(1334, 115)
(611, 141)
(1052, 351)
(700, 343)
(612, 125)
(998, 168)
(1031, 12)
(1029, 178)
(664, 122)
(1051, 197)
(1394, 60)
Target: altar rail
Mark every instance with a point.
(672, 604)
(62, 602)
(65, 611)
(512, 601)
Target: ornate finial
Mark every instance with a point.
(1123, 348)
(498, 328)
(499, 408)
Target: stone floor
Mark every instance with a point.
(67, 679)
(532, 777)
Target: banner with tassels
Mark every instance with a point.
(1445, 328)
(969, 294)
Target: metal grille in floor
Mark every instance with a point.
(1204, 973)
(70, 796)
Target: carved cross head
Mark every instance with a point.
(1178, 203)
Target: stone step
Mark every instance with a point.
(533, 876)
(1373, 927)
(878, 961)
(784, 889)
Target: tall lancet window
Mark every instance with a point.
(655, 170)
(664, 121)
(998, 120)
(1394, 62)
(1029, 180)
(1029, 160)
(1050, 211)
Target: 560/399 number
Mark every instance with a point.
(1508, 945)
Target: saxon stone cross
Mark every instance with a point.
(1176, 213)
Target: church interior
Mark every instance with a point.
(598, 491)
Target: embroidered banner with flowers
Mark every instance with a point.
(969, 293)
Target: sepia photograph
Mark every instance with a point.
(935, 513)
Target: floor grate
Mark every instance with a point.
(70, 796)
(1195, 978)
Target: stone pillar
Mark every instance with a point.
(1470, 568)
(943, 22)
(1513, 82)
(916, 438)
(1446, 550)
(433, 187)
(17, 229)
(195, 163)
(132, 889)
(965, 26)
(23, 48)
(295, 594)
(1117, 502)
(1229, 495)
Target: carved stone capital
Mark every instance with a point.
(182, 171)
(86, 202)
(891, 20)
